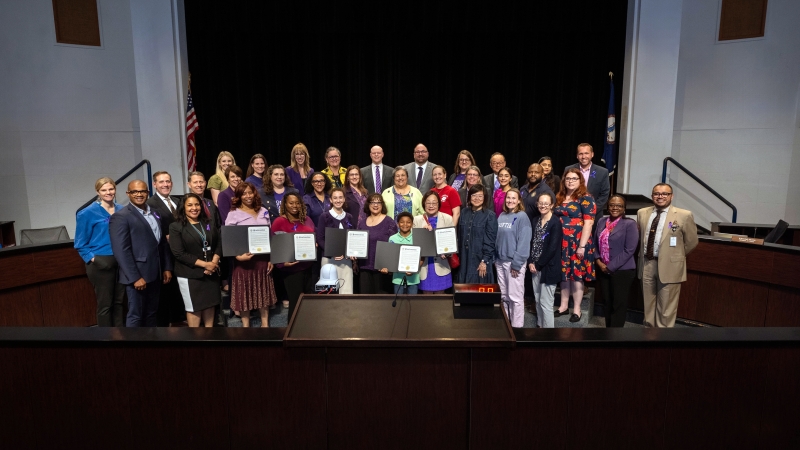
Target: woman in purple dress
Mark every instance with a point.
(381, 227)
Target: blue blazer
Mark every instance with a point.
(622, 243)
(599, 185)
(138, 253)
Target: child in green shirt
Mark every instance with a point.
(404, 223)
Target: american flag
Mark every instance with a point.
(191, 128)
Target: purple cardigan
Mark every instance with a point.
(622, 243)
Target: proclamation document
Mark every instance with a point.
(357, 244)
(409, 259)
(258, 240)
(446, 242)
(305, 247)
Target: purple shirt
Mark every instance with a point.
(380, 232)
(296, 179)
(239, 217)
(224, 203)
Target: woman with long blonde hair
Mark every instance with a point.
(218, 183)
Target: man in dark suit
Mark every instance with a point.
(162, 202)
(419, 171)
(596, 177)
(377, 172)
(170, 306)
(141, 250)
(197, 185)
(497, 162)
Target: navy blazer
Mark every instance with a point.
(622, 243)
(269, 203)
(549, 263)
(138, 253)
(599, 185)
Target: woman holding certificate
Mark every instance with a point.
(477, 230)
(337, 217)
(296, 274)
(511, 253)
(251, 281)
(381, 227)
(402, 196)
(196, 245)
(434, 275)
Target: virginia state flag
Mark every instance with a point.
(611, 135)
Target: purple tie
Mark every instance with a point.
(419, 177)
(378, 185)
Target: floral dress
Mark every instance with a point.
(572, 215)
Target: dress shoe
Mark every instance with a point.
(575, 318)
(558, 313)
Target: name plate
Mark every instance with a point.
(747, 240)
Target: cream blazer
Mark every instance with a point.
(441, 265)
(671, 260)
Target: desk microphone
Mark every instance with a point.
(404, 283)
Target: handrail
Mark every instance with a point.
(126, 175)
(702, 183)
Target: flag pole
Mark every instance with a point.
(613, 180)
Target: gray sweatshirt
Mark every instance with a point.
(513, 239)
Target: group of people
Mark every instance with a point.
(552, 227)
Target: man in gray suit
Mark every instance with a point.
(376, 174)
(596, 177)
(419, 171)
(497, 162)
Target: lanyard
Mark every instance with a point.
(202, 234)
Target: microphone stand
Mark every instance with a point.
(404, 285)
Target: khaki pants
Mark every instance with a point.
(660, 299)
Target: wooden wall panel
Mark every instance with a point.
(376, 396)
(68, 303)
(687, 305)
(783, 307)
(785, 265)
(57, 264)
(742, 261)
(519, 397)
(610, 379)
(75, 397)
(731, 302)
(20, 307)
(178, 397)
(17, 271)
(276, 397)
(781, 406)
(715, 397)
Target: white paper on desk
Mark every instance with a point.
(357, 244)
(305, 247)
(258, 240)
(446, 241)
(409, 258)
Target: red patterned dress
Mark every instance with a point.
(572, 215)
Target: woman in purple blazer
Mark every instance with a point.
(616, 237)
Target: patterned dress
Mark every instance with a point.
(572, 215)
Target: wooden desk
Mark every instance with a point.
(759, 230)
(45, 285)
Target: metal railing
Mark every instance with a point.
(126, 175)
(702, 183)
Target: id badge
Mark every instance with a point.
(673, 241)
(208, 248)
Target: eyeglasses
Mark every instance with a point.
(571, 179)
(333, 157)
(464, 160)
(138, 192)
(662, 194)
(543, 205)
(319, 181)
(431, 204)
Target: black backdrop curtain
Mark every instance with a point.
(526, 80)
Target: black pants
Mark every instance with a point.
(109, 293)
(296, 283)
(374, 282)
(615, 289)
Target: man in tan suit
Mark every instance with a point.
(667, 234)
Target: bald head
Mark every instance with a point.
(535, 174)
(376, 155)
(137, 193)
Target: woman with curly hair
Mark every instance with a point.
(576, 209)
(294, 219)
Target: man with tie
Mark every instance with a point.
(497, 161)
(170, 306)
(419, 171)
(667, 235)
(164, 203)
(596, 177)
(376, 176)
(141, 250)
